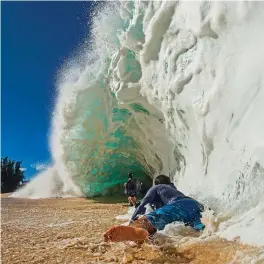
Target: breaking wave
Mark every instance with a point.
(166, 87)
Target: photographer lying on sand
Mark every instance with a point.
(171, 205)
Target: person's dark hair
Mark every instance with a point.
(162, 179)
(130, 175)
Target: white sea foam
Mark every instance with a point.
(198, 69)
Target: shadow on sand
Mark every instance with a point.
(113, 199)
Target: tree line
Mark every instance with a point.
(12, 175)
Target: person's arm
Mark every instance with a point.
(149, 198)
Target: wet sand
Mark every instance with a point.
(71, 231)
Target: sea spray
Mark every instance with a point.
(167, 87)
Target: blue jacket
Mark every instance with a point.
(158, 195)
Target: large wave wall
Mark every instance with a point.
(166, 87)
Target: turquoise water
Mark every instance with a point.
(113, 152)
(101, 145)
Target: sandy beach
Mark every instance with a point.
(71, 231)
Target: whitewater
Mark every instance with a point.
(166, 87)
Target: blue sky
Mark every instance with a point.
(36, 38)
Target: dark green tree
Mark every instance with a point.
(11, 175)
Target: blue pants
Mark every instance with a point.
(183, 209)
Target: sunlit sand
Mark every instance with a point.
(71, 231)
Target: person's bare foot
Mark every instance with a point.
(125, 233)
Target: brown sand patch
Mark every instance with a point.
(71, 231)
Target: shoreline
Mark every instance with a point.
(70, 230)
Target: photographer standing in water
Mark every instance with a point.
(131, 189)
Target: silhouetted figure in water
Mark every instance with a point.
(131, 189)
(171, 205)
